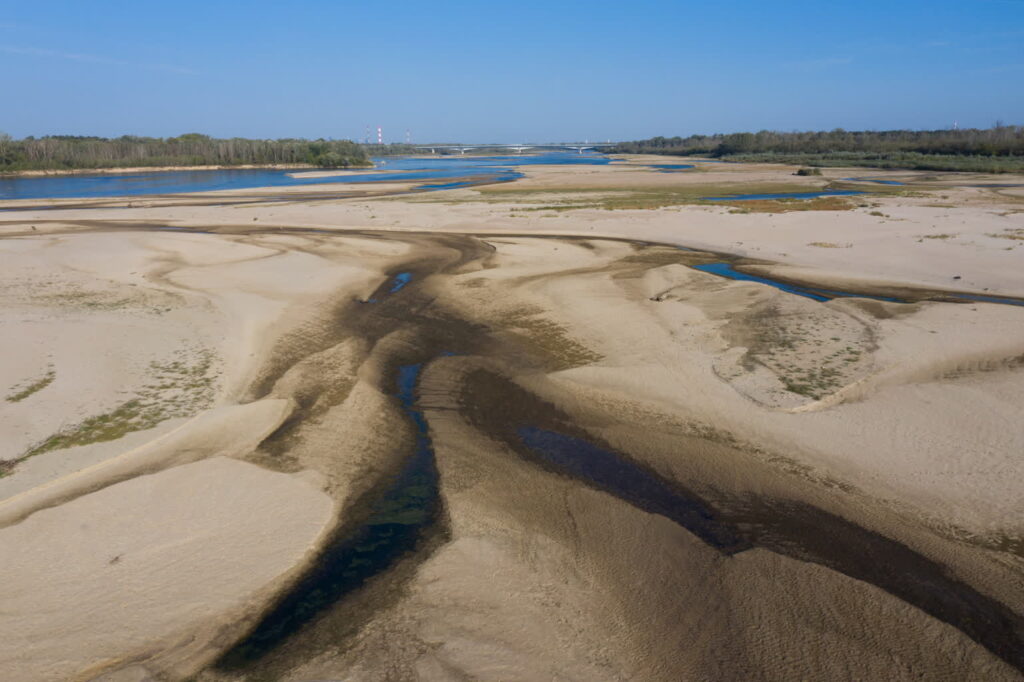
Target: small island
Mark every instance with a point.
(81, 153)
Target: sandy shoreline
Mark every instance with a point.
(858, 461)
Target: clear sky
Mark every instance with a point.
(520, 70)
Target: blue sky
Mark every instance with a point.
(506, 72)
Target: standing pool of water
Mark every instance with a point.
(669, 167)
(876, 181)
(400, 280)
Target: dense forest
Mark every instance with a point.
(996, 149)
(63, 152)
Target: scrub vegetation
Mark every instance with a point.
(661, 197)
(1009, 233)
(999, 149)
(179, 388)
(811, 354)
(71, 152)
(23, 391)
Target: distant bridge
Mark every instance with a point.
(517, 148)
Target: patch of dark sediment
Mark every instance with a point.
(398, 516)
(401, 518)
(731, 521)
(388, 308)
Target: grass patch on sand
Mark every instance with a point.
(550, 338)
(24, 390)
(788, 205)
(655, 197)
(811, 354)
(829, 245)
(179, 388)
(1009, 233)
(76, 298)
(939, 236)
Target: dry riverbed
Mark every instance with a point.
(514, 432)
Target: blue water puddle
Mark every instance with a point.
(187, 230)
(792, 195)
(446, 185)
(620, 477)
(670, 167)
(400, 280)
(501, 168)
(981, 298)
(396, 284)
(397, 522)
(727, 270)
(455, 185)
(876, 181)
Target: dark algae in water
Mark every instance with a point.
(393, 286)
(400, 280)
(398, 521)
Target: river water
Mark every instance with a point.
(177, 182)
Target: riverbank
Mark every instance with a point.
(159, 169)
(780, 454)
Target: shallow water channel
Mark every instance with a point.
(398, 519)
(728, 271)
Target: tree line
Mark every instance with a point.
(996, 149)
(66, 152)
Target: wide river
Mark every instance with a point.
(176, 182)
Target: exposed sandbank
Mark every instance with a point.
(892, 425)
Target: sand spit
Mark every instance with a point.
(451, 438)
(229, 431)
(140, 570)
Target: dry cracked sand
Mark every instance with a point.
(512, 432)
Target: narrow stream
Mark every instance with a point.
(723, 269)
(398, 521)
(728, 271)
